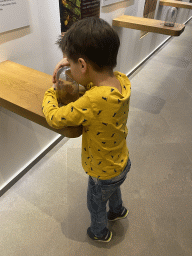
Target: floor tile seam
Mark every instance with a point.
(158, 53)
(160, 83)
(187, 154)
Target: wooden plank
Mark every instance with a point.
(150, 25)
(178, 4)
(22, 91)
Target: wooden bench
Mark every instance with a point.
(22, 91)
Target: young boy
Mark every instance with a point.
(91, 47)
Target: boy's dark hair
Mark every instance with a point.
(94, 40)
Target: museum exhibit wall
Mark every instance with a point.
(23, 140)
(34, 46)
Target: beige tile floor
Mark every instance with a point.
(45, 213)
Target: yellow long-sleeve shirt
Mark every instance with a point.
(103, 112)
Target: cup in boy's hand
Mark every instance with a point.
(67, 90)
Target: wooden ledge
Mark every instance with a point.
(22, 91)
(178, 4)
(149, 25)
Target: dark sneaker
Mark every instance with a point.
(117, 216)
(105, 238)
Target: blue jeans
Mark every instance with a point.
(98, 194)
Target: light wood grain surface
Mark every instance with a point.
(178, 4)
(22, 91)
(150, 25)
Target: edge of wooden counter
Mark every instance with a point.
(70, 131)
(177, 4)
(149, 25)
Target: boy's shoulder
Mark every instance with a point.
(121, 75)
(103, 91)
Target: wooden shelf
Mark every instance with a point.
(149, 25)
(178, 4)
(22, 91)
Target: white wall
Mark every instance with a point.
(20, 139)
(133, 49)
(24, 45)
(35, 47)
(21, 143)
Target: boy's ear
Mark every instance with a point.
(83, 65)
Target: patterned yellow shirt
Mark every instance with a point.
(103, 112)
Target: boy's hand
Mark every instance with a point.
(60, 64)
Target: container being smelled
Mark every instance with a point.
(67, 89)
(171, 17)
